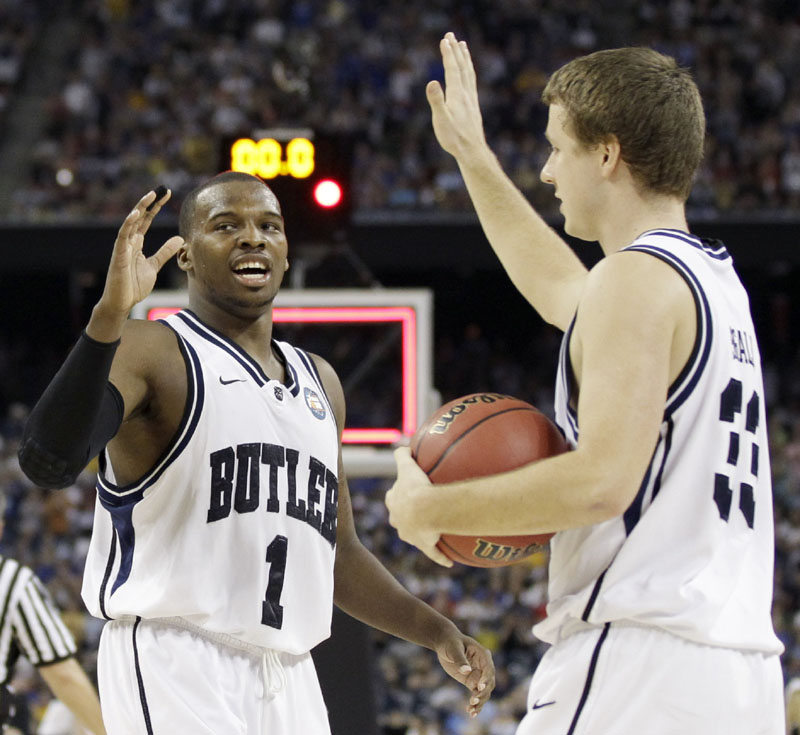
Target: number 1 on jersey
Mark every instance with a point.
(271, 608)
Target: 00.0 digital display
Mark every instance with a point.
(269, 159)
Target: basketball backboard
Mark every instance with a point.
(380, 341)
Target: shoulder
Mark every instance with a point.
(330, 380)
(146, 332)
(13, 569)
(23, 579)
(636, 280)
(147, 343)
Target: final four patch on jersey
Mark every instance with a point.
(315, 405)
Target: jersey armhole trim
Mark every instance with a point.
(113, 495)
(689, 376)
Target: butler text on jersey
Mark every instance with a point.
(236, 484)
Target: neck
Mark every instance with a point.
(634, 215)
(249, 327)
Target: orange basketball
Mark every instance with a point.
(485, 434)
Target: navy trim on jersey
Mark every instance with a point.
(250, 365)
(635, 510)
(311, 366)
(142, 695)
(593, 597)
(114, 496)
(711, 247)
(226, 345)
(589, 678)
(667, 447)
(112, 555)
(568, 378)
(685, 383)
(122, 518)
(292, 381)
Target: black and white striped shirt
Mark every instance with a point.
(30, 624)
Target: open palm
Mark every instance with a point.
(131, 274)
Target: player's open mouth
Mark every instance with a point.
(251, 271)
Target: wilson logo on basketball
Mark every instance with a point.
(444, 421)
(502, 553)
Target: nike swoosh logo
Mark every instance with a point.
(228, 382)
(536, 704)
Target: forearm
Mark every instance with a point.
(368, 592)
(70, 685)
(562, 492)
(541, 265)
(78, 412)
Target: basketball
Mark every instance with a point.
(485, 434)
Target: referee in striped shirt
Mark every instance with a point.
(31, 626)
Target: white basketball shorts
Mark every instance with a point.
(165, 677)
(631, 680)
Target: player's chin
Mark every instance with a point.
(578, 230)
(251, 304)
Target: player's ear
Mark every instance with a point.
(285, 265)
(611, 154)
(184, 258)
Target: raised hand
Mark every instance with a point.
(457, 120)
(131, 275)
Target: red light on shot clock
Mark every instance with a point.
(327, 193)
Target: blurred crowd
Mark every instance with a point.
(149, 89)
(18, 22)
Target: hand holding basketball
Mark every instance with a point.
(404, 512)
(474, 436)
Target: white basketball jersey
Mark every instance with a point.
(693, 554)
(234, 529)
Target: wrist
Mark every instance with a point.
(440, 630)
(477, 157)
(436, 630)
(105, 325)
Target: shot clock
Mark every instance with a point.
(308, 171)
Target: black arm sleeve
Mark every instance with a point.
(79, 412)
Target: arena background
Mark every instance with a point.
(101, 100)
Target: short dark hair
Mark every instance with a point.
(643, 98)
(189, 205)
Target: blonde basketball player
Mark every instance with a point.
(660, 579)
(223, 528)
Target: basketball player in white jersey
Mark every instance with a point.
(660, 579)
(223, 528)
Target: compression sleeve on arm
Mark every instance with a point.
(78, 413)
